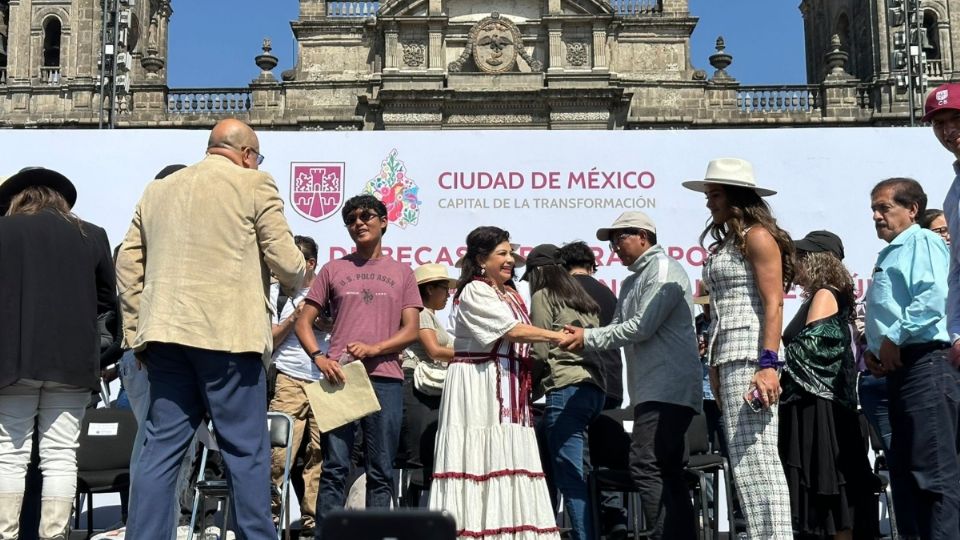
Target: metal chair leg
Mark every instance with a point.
(89, 515)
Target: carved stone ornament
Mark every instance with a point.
(494, 43)
(577, 53)
(414, 53)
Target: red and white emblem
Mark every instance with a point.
(316, 189)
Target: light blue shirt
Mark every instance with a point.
(951, 209)
(906, 303)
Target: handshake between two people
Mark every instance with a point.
(572, 338)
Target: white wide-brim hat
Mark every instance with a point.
(729, 172)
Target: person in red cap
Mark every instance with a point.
(942, 110)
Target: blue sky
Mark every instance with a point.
(765, 38)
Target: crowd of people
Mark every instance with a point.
(208, 337)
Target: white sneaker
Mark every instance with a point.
(183, 532)
(213, 533)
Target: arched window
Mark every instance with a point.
(51, 42)
(930, 39)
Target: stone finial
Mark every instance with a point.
(720, 60)
(266, 61)
(836, 61)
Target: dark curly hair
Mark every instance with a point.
(748, 209)
(480, 244)
(823, 270)
(364, 202)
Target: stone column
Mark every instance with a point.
(556, 46)
(554, 7)
(18, 43)
(435, 47)
(435, 8)
(390, 60)
(599, 47)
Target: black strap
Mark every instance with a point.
(281, 302)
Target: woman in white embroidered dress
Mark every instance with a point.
(487, 470)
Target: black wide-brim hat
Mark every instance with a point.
(36, 176)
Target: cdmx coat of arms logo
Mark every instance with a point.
(316, 189)
(396, 190)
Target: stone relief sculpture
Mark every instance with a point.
(577, 54)
(414, 53)
(494, 43)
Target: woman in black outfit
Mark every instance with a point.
(821, 445)
(57, 277)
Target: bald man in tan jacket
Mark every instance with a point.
(193, 273)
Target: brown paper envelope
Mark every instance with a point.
(335, 405)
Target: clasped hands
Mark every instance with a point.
(331, 368)
(572, 339)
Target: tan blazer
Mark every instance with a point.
(193, 268)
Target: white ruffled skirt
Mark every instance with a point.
(487, 472)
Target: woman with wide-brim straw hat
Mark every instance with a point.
(57, 277)
(749, 268)
(424, 369)
(488, 472)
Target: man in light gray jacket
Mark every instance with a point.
(654, 325)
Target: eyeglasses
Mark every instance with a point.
(942, 231)
(618, 238)
(365, 216)
(260, 157)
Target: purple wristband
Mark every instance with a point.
(770, 359)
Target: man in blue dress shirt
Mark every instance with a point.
(907, 341)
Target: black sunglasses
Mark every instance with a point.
(365, 217)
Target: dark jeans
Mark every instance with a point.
(381, 435)
(418, 431)
(876, 407)
(924, 409)
(566, 416)
(657, 458)
(185, 384)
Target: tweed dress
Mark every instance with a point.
(734, 346)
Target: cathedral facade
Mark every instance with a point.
(469, 64)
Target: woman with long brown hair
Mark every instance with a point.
(749, 268)
(57, 276)
(823, 452)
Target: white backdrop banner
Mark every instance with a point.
(541, 186)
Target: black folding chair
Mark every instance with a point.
(701, 462)
(609, 440)
(103, 456)
(880, 464)
(280, 426)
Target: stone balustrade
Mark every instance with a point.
(778, 99)
(358, 8)
(934, 68)
(50, 75)
(209, 101)
(628, 8)
(3, 75)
